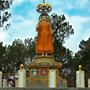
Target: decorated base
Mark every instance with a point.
(39, 70)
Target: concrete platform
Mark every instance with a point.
(44, 88)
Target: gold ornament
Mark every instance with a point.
(80, 67)
(22, 66)
(44, 8)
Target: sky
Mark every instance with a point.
(24, 19)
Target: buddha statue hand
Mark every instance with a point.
(51, 31)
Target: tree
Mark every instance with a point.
(30, 49)
(15, 56)
(2, 55)
(62, 31)
(4, 14)
(84, 55)
(67, 61)
(18, 53)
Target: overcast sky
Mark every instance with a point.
(24, 19)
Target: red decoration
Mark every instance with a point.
(44, 72)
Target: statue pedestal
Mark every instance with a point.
(39, 71)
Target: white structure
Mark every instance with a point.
(52, 78)
(16, 80)
(16, 83)
(0, 79)
(89, 83)
(80, 79)
(34, 73)
(22, 78)
(4, 82)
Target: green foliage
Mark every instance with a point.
(84, 55)
(4, 14)
(2, 55)
(30, 49)
(62, 31)
(16, 54)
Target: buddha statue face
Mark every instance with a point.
(44, 18)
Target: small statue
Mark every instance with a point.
(44, 43)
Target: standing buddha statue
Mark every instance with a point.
(44, 43)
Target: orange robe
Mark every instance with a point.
(44, 41)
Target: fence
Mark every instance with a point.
(70, 77)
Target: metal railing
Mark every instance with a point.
(70, 77)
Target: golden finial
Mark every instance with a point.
(43, 1)
(22, 66)
(80, 67)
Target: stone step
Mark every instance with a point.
(37, 88)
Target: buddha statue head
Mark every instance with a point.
(44, 17)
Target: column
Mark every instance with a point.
(52, 78)
(22, 78)
(88, 83)
(0, 79)
(4, 82)
(80, 78)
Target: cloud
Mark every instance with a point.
(36, 2)
(77, 23)
(16, 18)
(70, 4)
(3, 36)
(79, 19)
(82, 4)
(86, 35)
(21, 28)
(18, 2)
